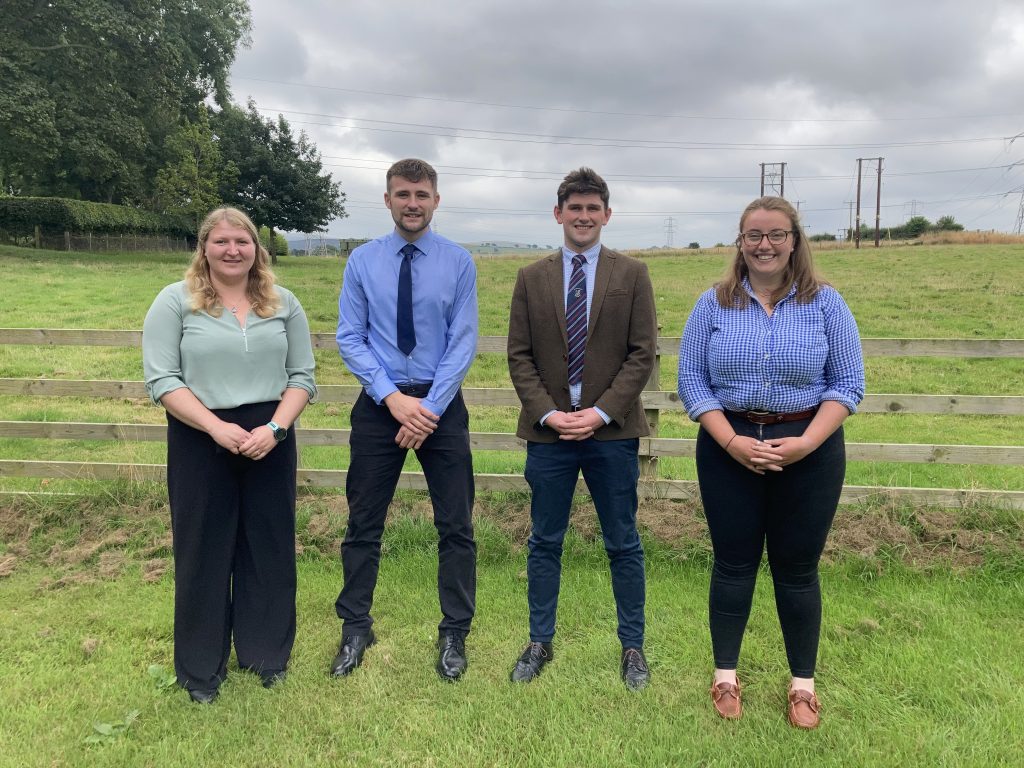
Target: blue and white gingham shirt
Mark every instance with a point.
(744, 360)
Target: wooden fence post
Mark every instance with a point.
(67, 240)
(39, 236)
(649, 464)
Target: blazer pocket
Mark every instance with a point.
(616, 292)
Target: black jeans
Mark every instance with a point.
(790, 511)
(233, 521)
(373, 473)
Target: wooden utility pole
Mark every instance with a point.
(856, 232)
(878, 201)
(878, 198)
(773, 179)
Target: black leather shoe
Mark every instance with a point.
(203, 695)
(451, 659)
(350, 654)
(531, 662)
(635, 672)
(272, 677)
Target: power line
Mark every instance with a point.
(521, 137)
(578, 110)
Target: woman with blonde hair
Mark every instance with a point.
(227, 353)
(770, 366)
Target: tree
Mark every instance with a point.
(190, 181)
(915, 226)
(280, 182)
(948, 224)
(92, 88)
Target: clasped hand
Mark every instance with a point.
(418, 423)
(577, 425)
(254, 445)
(769, 455)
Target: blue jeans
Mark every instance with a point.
(611, 470)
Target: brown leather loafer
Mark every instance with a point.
(803, 709)
(727, 700)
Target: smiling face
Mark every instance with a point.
(230, 251)
(412, 205)
(582, 216)
(766, 262)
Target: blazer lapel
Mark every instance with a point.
(605, 267)
(556, 287)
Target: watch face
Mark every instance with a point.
(280, 434)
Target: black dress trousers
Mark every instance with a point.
(233, 521)
(373, 473)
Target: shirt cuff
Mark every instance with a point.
(545, 416)
(603, 415)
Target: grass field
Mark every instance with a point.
(921, 659)
(944, 291)
(918, 666)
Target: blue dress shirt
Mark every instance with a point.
(742, 359)
(444, 312)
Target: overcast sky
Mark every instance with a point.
(676, 103)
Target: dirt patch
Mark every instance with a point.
(88, 539)
(7, 565)
(153, 570)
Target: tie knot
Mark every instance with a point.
(579, 259)
(409, 250)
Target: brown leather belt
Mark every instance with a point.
(765, 417)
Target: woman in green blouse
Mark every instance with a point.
(227, 353)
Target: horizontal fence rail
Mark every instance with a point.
(667, 345)
(652, 448)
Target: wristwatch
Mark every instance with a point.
(280, 433)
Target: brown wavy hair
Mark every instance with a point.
(263, 299)
(800, 269)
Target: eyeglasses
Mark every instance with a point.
(775, 237)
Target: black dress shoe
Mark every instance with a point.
(451, 659)
(203, 695)
(350, 654)
(635, 672)
(531, 662)
(272, 677)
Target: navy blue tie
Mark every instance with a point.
(576, 318)
(406, 327)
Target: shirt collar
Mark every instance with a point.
(747, 287)
(591, 253)
(396, 242)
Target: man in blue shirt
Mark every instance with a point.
(582, 339)
(407, 330)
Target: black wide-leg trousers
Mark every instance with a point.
(373, 473)
(233, 521)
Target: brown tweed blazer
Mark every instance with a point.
(621, 345)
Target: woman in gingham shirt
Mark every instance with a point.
(770, 365)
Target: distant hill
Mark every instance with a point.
(299, 244)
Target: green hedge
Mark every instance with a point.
(54, 215)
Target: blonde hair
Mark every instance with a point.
(263, 299)
(799, 269)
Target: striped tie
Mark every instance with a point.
(576, 318)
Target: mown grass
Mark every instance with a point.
(917, 667)
(957, 290)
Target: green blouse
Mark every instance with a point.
(224, 364)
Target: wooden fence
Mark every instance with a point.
(652, 448)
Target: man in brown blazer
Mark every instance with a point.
(581, 346)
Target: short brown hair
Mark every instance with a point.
(413, 170)
(583, 181)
